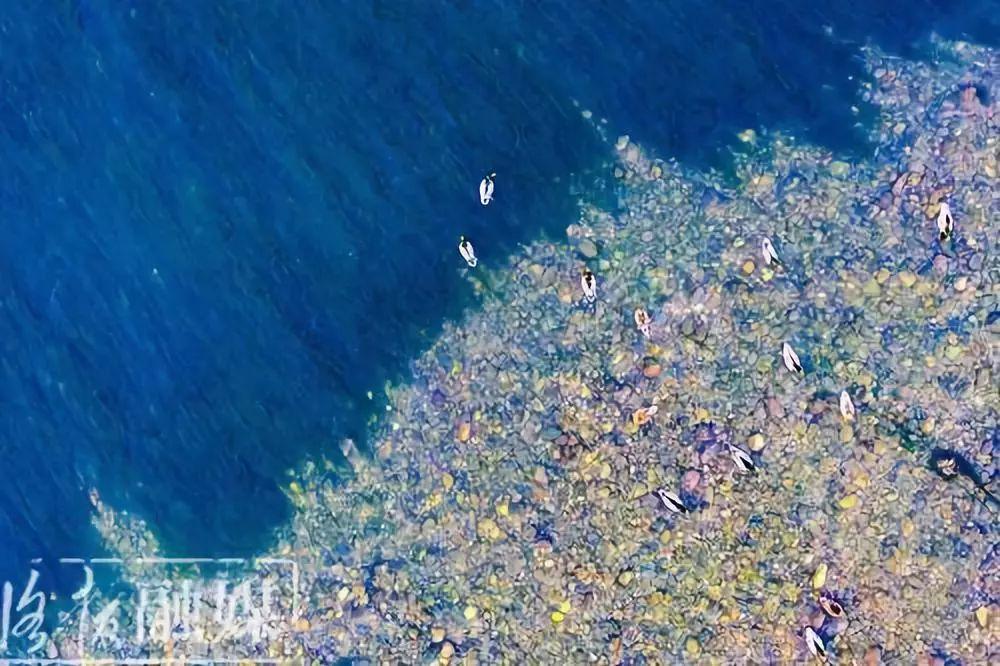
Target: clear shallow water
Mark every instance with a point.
(224, 225)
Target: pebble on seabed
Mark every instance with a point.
(819, 576)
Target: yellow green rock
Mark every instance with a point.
(488, 529)
(848, 502)
(819, 576)
(838, 168)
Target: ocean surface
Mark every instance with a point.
(225, 223)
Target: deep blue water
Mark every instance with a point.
(225, 222)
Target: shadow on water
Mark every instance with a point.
(225, 222)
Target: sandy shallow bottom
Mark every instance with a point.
(510, 512)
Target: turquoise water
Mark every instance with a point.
(224, 224)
